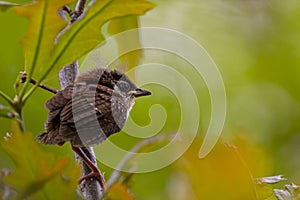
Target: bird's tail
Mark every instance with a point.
(47, 138)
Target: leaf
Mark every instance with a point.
(228, 169)
(84, 35)
(38, 174)
(127, 41)
(119, 192)
(44, 25)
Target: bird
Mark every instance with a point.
(90, 109)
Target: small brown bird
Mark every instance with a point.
(89, 110)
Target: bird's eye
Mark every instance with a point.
(124, 86)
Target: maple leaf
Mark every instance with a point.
(38, 174)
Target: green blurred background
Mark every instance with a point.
(256, 46)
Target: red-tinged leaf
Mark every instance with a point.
(85, 34)
(44, 25)
(38, 174)
(119, 192)
(127, 42)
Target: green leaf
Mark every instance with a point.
(38, 174)
(127, 41)
(85, 34)
(44, 25)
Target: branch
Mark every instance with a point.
(90, 188)
(78, 10)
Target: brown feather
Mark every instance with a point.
(82, 112)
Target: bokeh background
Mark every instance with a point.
(256, 46)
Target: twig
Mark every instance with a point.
(137, 148)
(34, 82)
(78, 10)
(67, 10)
(90, 188)
(237, 153)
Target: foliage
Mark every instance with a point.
(256, 47)
(49, 44)
(118, 192)
(130, 59)
(38, 174)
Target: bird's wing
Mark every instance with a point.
(85, 103)
(87, 109)
(59, 100)
(52, 125)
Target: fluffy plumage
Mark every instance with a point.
(90, 109)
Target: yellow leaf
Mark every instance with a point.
(85, 34)
(127, 41)
(119, 192)
(230, 170)
(44, 25)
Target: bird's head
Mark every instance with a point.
(127, 89)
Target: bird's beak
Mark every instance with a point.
(139, 92)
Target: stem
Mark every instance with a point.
(34, 82)
(78, 10)
(7, 98)
(29, 93)
(23, 91)
(236, 151)
(21, 122)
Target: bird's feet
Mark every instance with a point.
(95, 171)
(97, 175)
